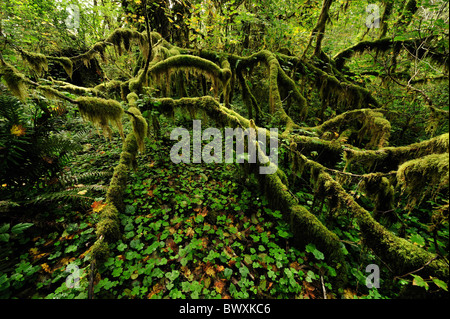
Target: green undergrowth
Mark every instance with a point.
(48, 246)
(196, 231)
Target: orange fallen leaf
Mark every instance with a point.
(219, 285)
(156, 289)
(190, 232)
(295, 265)
(46, 268)
(210, 270)
(205, 242)
(204, 212)
(98, 206)
(220, 268)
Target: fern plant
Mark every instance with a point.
(30, 149)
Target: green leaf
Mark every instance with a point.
(71, 248)
(122, 247)
(19, 228)
(172, 275)
(4, 237)
(227, 272)
(4, 228)
(417, 239)
(248, 259)
(136, 244)
(244, 271)
(441, 284)
(311, 248)
(420, 282)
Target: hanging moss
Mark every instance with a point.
(15, 80)
(379, 189)
(377, 127)
(401, 255)
(37, 61)
(424, 176)
(123, 37)
(86, 57)
(373, 126)
(65, 62)
(191, 63)
(140, 127)
(80, 90)
(109, 87)
(101, 113)
(51, 93)
(389, 158)
(117, 186)
(300, 109)
(136, 84)
(132, 99)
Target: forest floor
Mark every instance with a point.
(188, 231)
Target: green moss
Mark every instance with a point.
(389, 158)
(50, 92)
(37, 61)
(424, 176)
(136, 84)
(79, 90)
(100, 250)
(123, 37)
(379, 190)
(109, 87)
(401, 255)
(15, 80)
(308, 229)
(65, 62)
(132, 98)
(101, 113)
(130, 145)
(140, 127)
(128, 159)
(190, 63)
(109, 229)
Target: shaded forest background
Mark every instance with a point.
(92, 207)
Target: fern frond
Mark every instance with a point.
(87, 177)
(70, 195)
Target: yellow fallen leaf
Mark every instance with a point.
(97, 206)
(46, 268)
